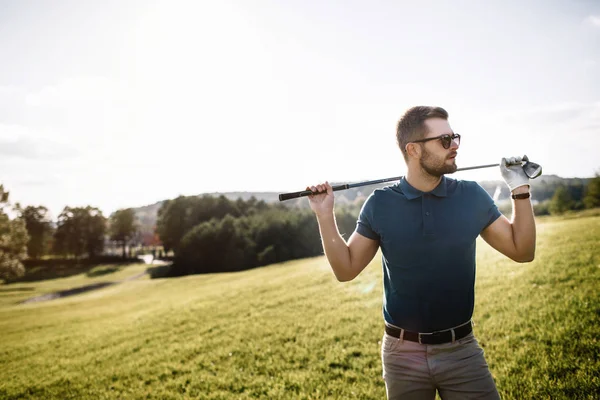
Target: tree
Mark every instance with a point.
(197, 252)
(561, 201)
(123, 227)
(96, 230)
(216, 246)
(39, 229)
(213, 234)
(69, 237)
(170, 224)
(592, 193)
(80, 231)
(13, 241)
(177, 217)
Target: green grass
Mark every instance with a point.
(291, 331)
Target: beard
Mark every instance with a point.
(436, 166)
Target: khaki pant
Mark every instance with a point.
(415, 371)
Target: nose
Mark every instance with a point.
(455, 143)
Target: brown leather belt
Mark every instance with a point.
(440, 337)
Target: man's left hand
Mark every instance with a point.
(512, 172)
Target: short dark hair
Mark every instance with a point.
(411, 125)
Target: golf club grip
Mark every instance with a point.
(295, 195)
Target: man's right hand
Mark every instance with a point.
(321, 204)
(347, 259)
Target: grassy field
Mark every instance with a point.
(291, 331)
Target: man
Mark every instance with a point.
(426, 226)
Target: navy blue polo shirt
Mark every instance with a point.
(428, 246)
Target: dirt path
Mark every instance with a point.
(87, 288)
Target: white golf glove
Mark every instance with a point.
(512, 172)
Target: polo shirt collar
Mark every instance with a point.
(412, 193)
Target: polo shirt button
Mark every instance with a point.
(427, 213)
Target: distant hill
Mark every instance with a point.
(542, 188)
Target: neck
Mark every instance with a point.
(421, 180)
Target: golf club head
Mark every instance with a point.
(532, 170)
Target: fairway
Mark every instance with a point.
(291, 331)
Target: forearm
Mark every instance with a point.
(523, 226)
(335, 247)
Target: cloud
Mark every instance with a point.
(553, 113)
(87, 114)
(12, 105)
(57, 139)
(20, 142)
(579, 117)
(91, 90)
(82, 103)
(564, 138)
(589, 64)
(593, 20)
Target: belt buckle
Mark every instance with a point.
(424, 334)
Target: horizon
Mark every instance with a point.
(499, 179)
(128, 102)
(54, 216)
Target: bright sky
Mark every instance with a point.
(120, 104)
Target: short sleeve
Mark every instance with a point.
(364, 225)
(488, 211)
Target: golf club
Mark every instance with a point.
(532, 170)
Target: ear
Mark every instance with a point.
(413, 150)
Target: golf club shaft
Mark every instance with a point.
(294, 195)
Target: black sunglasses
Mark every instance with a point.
(445, 139)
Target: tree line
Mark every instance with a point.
(559, 197)
(78, 232)
(205, 233)
(214, 234)
(575, 197)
